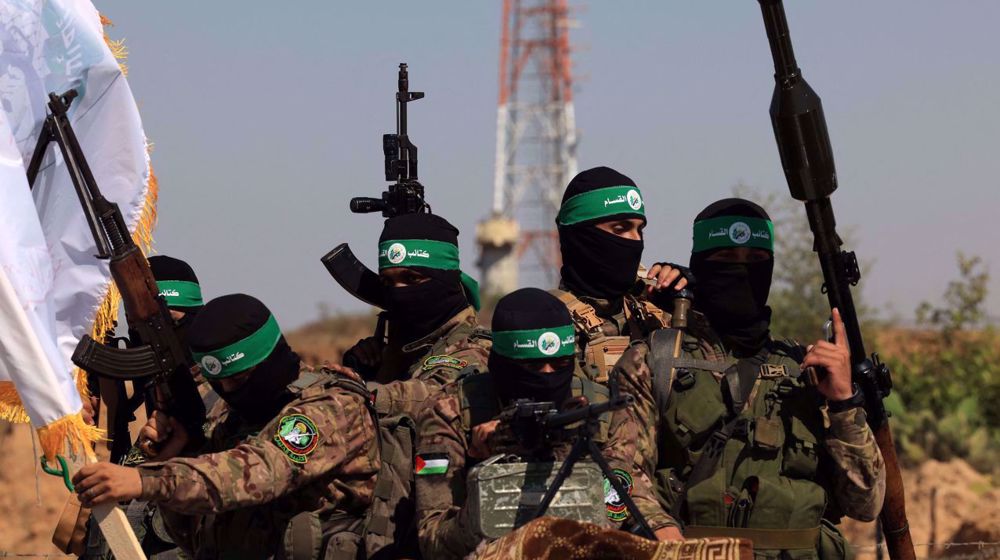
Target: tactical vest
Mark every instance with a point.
(765, 485)
(388, 528)
(594, 347)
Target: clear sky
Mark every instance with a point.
(267, 117)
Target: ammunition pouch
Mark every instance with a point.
(502, 496)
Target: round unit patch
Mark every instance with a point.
(297, 436)
(396, 253)
(211, 365)
(633, 199)
(549, 343)
(739, 233)
(617, 510)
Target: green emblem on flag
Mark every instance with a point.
(443, 361)
(297, 437)
(431, 463)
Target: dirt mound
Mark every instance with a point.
(945, 503)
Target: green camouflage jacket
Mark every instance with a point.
(234, 500)
(802, 447)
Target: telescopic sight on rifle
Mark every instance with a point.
(406, 194)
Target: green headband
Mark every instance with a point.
(535, 344)
(600, 203)
(242, 354)
(429, 253)
(733, 231)
(180, 293)
(417, 252)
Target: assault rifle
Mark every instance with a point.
(160, 362)
(404, 196)
(539, 424)
(807, 159)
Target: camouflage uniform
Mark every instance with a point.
(445, 429)
(460, 346)
(790, 464)
(236, 498)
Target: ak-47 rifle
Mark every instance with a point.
(807, 159)
(160, 360)
(404, 196)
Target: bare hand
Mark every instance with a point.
(167, 433)
(344, 370)
(98, 483)
(479, 447)
(662, 275)
(835, 358)
(367, 352)
(668, 533)
(89, 410)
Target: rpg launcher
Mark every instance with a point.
(404, 196)
(160, 363)
(807, 159)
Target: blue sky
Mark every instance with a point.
(267, 118)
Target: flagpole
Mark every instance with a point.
(109, 517)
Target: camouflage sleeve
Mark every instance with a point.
(408, 397)
(442, 369)
(440, 481)
(331, 435)
(631, 444)
(859, 473)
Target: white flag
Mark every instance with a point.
(46, 247)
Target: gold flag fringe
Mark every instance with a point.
(71, 429)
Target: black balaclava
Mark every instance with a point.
(419, 310)
(233, 334)
(734, 295)
(179, 286)
(531, 324)
(596, 263)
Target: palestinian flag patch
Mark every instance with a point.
(431, 463)
(443, 361)
(297, 437)
(617, 510)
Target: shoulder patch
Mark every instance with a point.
(431, 463)
(617, 510)
(297, 437)
(443, 361)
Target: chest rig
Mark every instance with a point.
(739, 446)
(597, 345)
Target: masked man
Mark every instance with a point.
(532, 358)
(291, 459)
(730, 437)
(431, 307)
(600, 225)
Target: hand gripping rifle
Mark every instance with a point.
(160, 359)
(807, 158)
(540, 424)
(404, 196)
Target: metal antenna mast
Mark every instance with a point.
(535, 149)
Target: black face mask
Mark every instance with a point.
(265, 392)
(596, 263)
(420, 309)
(514, 381)
(734, 298)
